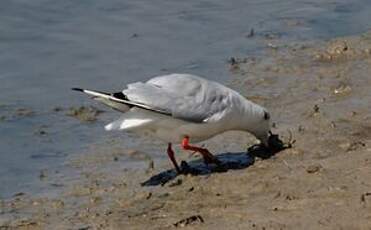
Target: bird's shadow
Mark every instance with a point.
(229, 161)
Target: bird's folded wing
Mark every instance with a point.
(190, 99)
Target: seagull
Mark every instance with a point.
(178, 108)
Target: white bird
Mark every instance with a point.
(183, 107)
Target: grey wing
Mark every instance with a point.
(185, 97)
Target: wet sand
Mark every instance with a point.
(317, 92)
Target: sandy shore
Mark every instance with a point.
(319, 91)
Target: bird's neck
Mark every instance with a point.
(251, 115)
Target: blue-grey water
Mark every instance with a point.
(49, 46)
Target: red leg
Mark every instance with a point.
(170, 153)
(208, 157)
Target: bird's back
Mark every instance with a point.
(185, 96)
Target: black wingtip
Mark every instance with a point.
(78, 89)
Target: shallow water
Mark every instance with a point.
(47, 47)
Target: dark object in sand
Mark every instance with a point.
(189, 220)
(363, 196)
(275, 145)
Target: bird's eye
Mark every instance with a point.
(266, 115)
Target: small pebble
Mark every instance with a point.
(313, 168)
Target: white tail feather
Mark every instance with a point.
(130, 120)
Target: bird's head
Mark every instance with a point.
(270, 143)
(267, 138)
(262, 130)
